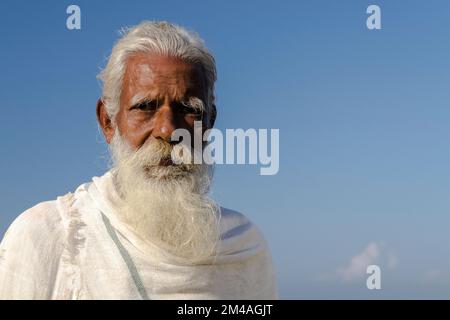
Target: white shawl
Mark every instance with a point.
(76, 248)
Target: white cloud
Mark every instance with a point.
(392, 261)
(358, 264)
(375, 253)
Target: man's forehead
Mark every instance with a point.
(154, 76)
(146, 68)
(145, 74)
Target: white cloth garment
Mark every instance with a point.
(75, 247)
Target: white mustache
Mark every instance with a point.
(156, 158)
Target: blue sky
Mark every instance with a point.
(363, 118)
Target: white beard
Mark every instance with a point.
(166, 205)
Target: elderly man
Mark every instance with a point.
(147, 229)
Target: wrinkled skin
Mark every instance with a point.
(151, 102)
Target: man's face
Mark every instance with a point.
(164, 203)
(159, 94)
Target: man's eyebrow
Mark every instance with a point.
(195, 103)
(139, 98)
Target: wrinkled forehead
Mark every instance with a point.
(163, 75)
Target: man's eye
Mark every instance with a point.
(146, 106)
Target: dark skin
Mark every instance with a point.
(156, 99)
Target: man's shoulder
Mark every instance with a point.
(238, 227)
(41, 221)
(47, 217)
(30, 253)
(243, 241)
(234, 216)
(44, 211)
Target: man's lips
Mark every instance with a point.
(166, 162)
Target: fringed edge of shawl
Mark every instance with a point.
(69, 287)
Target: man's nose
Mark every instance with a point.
(164, 124)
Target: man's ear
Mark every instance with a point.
(104, 121)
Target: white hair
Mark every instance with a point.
(167, 206)
(160, 38)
